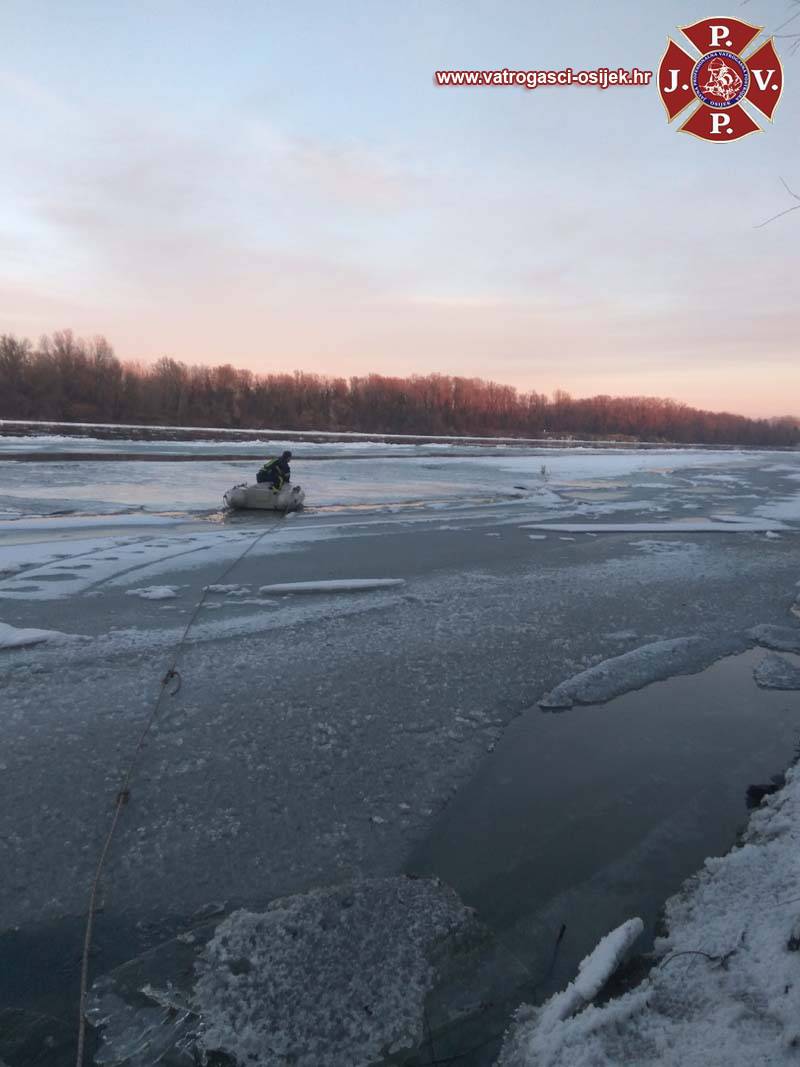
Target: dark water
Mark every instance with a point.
(40, 982)
(588, 817)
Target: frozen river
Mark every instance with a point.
(347, 733)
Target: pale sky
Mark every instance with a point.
(281, 186)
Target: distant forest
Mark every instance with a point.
(65, 378)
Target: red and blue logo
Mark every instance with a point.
(724, 83)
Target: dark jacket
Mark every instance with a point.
(275, 472)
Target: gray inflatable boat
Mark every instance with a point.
(264, 498)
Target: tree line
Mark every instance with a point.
(69, 379)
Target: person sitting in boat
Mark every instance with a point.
(276, 472)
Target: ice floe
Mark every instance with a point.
(777, 672)
(333, 585)
(779, 638)
(621, 674)
(14, 637)
(154, 592)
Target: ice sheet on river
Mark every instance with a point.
(341, 975)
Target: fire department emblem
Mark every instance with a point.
(730, 77)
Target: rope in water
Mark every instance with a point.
(124, 791)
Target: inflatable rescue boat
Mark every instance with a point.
(264, 498)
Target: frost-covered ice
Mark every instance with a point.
(333, 585)
(725, 990)
(154, 592)
(320, 979)
(16, 637)
(331, 977)
(632, 670)
(777, 672)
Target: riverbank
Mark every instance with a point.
(140, 432)
(724, 989)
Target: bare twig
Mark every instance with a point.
(721, 960)
(786, 211)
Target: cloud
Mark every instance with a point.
(350, 174)
(40, 98)
(191, 213)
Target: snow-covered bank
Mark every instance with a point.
(725, 989)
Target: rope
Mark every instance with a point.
(124, 792)
(430, 1035)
